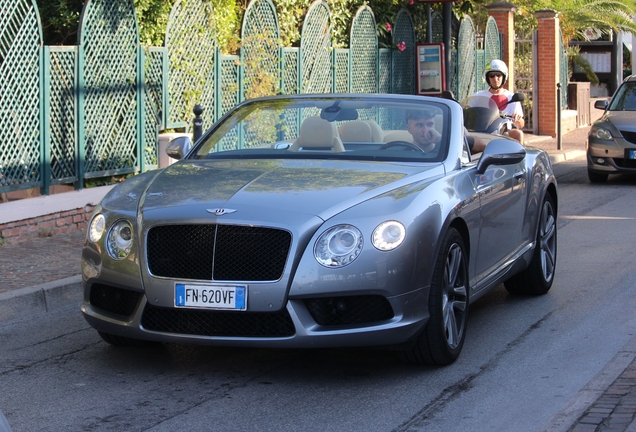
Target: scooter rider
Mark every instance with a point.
(496, 75)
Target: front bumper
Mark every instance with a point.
(610, 156)
(302, 323)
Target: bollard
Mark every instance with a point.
(197, 123)
(559, 140)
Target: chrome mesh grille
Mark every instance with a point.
(217, 252)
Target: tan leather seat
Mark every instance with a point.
(356, 131)
(318, 133)
(376, 131)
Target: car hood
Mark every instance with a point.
(271, 190)
(622, 120)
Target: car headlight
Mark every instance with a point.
(388, 235)
(119, 240)
(338, 246)
(600, 133)
(96, 228)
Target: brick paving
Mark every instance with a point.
(39, 260)
(615, 409)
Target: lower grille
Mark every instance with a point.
(625, 163)
(216, 323)
(114, 300)
(338, 311)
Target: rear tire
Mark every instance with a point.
(443, 338)
(596, 177)
(122, 341)
(538, 277)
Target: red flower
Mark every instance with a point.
(388, 26)
(411, 2)
(401, 46)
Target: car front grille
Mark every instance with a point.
(350, 310)
(218, 323)
(114, 300)
(217, 252)
(629, 136)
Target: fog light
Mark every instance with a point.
(600, 161)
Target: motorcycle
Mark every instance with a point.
(481, 114)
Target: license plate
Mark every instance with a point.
(211, 296)
(631, 154)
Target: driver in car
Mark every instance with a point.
(421, 124)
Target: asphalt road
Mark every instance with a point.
(525, 358)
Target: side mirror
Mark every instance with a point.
(517, 97)
(501, 152)
(601, 104)
(179, 147)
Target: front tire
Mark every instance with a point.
(538, 277)
(443, 338)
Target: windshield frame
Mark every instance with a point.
(344, 108)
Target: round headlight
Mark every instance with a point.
(120, 239)
(338, 246)
(601, 133)
(388, 235)
(96, 228)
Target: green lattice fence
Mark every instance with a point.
(94, 110)
(260, 50)
(20, 96)
(342, 70)
(191, 49)
(364, 52)
(385, 58)
(466, 59)
(291, 67)
(109, 83)
(155, 67)
(315, 46)
(60, 111)
(403, 62)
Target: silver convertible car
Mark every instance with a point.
(322, 221)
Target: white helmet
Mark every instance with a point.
(497, 66)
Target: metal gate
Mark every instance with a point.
(525, 71)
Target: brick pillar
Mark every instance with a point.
(548, 72)
(503, 13)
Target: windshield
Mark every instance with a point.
(479, 113)
(363, 128)
(625, 98)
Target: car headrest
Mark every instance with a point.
(316, 132)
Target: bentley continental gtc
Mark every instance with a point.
(324, 221)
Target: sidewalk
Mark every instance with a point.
(43, 274)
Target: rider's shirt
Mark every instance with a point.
(511, 109)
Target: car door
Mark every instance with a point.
(502, 193)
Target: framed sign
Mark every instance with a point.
(431, 71)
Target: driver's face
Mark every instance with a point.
(422, 130)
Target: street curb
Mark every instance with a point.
(42, 298)
(568, 155)
(572, 411)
